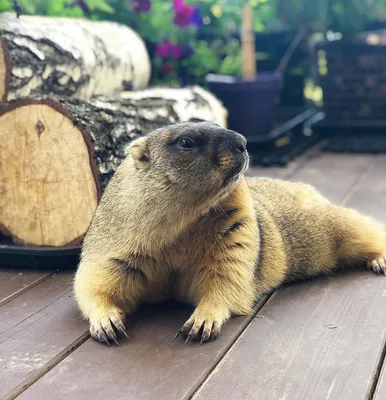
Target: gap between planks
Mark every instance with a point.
(222, 356)
(26, 288)
(23, 386)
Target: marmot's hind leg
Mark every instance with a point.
(378, 265)
(308, 194)
(361, 240)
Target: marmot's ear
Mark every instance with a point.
(139, 150)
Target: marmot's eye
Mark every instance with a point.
(186, 143)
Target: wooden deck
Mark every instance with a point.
(319, 340)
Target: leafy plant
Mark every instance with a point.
(347, 17)
(187, 39)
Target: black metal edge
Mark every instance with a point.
(285, 127)
(42, 251)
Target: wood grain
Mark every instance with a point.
(38, 329)
(14, 282)
(3, 71)
(17, 313)
(48, 190)
(315, 340)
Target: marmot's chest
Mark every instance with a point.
(194, 246)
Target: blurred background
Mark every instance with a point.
(187, 39)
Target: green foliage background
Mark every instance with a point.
(214, 45)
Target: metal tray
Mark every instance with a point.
(52, 258)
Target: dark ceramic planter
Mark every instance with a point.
(251, 105)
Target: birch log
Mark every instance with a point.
(66, 56)
(57, 155)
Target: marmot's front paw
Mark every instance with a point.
(102, 324)
(378, 265)
(200, 327)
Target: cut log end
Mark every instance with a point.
(3, 71)
(48, 184)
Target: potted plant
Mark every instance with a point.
(251, 99)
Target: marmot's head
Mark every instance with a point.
(196, 159)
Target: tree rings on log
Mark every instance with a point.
(48, 183)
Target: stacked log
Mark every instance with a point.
(71, 57)
(66, 120)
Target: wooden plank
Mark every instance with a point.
(38, 329)
(314, 340)
(333, 174)
(151, 364)
(21, 309)
(14, 282)
(285, 172)
(369, 195)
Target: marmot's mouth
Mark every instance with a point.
(229, 180)
(234, 174)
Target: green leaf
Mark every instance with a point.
(100, 5)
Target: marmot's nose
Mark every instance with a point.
(237, 142)
(241, 148)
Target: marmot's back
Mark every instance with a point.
(316, 234)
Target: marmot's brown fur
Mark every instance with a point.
(178, 219)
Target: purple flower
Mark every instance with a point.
(142, 6)
(166, 49)
(175, 50)
(196, 18)
(178, 5)
(163, 49)
(182, 16)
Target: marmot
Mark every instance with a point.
(179, 219)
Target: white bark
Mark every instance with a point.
(188, 104)
(67, 56)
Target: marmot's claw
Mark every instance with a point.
(102, 327)
(100, 336)
(120, 327)
(178, 333)
(188, 338)
(201, 332)
(378, 265)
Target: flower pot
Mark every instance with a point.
(251, 104)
